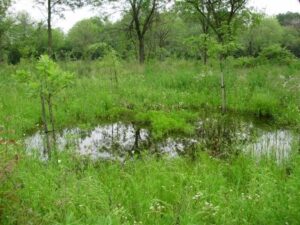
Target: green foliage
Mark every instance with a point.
(4, 5)
(163, 124)
(289, 19)
(83, 34)
(167, 97)
(245, 62)
(175, 33)
(162, 54)
(291, 40)
(264, 104)
(4, 27)
(30, 39)
(276, 54)
(265, 33)
(111, 62)
(97, 51)
(224, 49)
(48, 79)
(201, 45)
(170, 86)
(14, 56)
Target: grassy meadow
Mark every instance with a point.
(167, 98)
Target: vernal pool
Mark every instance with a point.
(118, 140)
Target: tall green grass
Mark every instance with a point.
(158, 88)
(151, 191)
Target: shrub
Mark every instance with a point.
(14, 56)
(163, 53)
(96, 51)
(276, 54)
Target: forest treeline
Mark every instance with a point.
(153, 32)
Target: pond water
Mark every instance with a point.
(118, 140)
(277, 144)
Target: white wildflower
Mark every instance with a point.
(198, 196)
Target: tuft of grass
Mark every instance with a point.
(264, 104)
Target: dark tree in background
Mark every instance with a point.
(142, 14)
(147, 29)
(56, 7)
(289, 19)
(196, 9)
(4, 25)
(291, 23)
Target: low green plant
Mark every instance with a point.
(245, 62)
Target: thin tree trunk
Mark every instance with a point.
(141, 50)
(250, 48)
(47, 149)
(49, 30)
(51, 118)
(205, 29)
(223, 87)
(116, 77)
(205, 56)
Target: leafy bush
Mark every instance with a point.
(163, 53)
(14, 56)
(96, 51)
(276, 54)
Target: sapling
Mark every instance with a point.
(222, 51)
(111, 62)
(45, 82)
(220, 16)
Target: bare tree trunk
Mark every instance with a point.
(47, 149)
(141, 50)
(49, 29)
(223, 87)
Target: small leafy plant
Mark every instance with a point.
(45, 82)
(111, 63)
